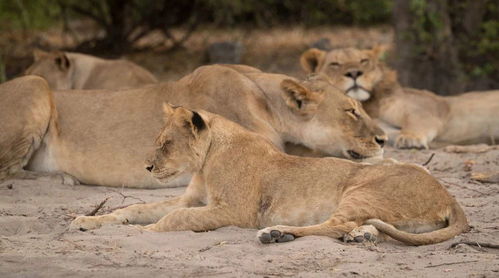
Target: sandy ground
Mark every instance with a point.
(35, 242)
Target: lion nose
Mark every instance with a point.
(150, 168)
(353, 74)
(380, 140)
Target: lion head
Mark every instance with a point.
(330, 121)
(356, 72)
(180, 146)
(55, 67)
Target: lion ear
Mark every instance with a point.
(168, 109)
(197, 122)
(311, 59)
(300, 99)
(183, 117)
(39, 54)
(192, 120)
(379, 52)
(62, 61)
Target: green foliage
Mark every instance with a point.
(489, 41)
(426, 22)
(28, 14)
(265, 13)
(38, 14)
(481, 49)
(3, 75)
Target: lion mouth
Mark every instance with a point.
(355, 155)
(358, 92)
(356, 87)
(165, 175)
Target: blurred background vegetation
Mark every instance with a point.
(447, 46)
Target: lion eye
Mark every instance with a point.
(334, 64)
(364, 61)
(353, 112)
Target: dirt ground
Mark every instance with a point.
(35, 214)
(35, 242)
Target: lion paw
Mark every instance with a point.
(68, 179)
(85, 223)
(485, 177)
(274, 235)
(364, 233)
(411, 141)
(148, 228)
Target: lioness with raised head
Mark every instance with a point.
(67, 70)
(243, 180)
(421, 116)
(101, 137)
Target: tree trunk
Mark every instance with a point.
(426, 53)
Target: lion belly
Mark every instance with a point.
(473, 118)
(104, 139)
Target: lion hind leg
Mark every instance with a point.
(26, 112)
(364, 233)
(331, 228)
(14, 154)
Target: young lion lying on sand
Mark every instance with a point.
(242, 179)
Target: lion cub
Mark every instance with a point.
(242, 179)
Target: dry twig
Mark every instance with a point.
(429, 160)
(463, 262)
(96, 209)
(476, 243)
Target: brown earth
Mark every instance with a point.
(35, 242)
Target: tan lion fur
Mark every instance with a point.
(422, 116)
(68, 70)
(105, 134)
(243, 180)
(26, 112)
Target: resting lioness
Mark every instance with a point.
(101, 137)
(67, 70)
(243, 180)
(421, 116)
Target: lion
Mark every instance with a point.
(242, 180)
(412, 118)
(67, 70)
(100, 137)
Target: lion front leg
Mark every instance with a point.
(197, 219)
(57, 176)
(134, 214)
(417, 132)
(145, 213)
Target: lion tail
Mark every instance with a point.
(457, 225)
